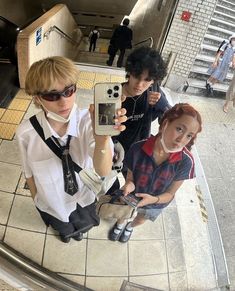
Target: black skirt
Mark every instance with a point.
(80, 220)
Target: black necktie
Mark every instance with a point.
(70, 182)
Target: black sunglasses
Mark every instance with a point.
(55, 95)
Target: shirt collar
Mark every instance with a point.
(148, 147)
(49, 131)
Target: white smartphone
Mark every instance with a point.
(107, 97)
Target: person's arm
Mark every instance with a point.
(233, 62)
(102, 158)
(216, 61)
(32, 187)
(165, 197)
(129, 186)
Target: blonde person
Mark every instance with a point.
(60, 196)
(158, 166)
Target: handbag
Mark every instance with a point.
(111, 206)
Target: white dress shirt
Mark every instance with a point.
(39, 161)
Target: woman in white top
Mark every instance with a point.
(52, 83)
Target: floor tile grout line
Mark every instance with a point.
(86, 259)
(44, 246)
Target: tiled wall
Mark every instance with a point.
(30, 48)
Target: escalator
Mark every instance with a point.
(9, 84)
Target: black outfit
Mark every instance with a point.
(139, 118)
(120, 40)
(80, 221)
(93, 38)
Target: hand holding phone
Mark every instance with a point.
(107, 102)
(131, 199)
(153, 94)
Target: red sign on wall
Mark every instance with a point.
(186, 15)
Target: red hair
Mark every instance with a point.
(176, 112)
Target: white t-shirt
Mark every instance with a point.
(40, 162)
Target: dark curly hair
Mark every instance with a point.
(146, 59)
(176, 112)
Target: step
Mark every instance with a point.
(214, 37)
(201, 85)
(227, 32)
(225, 15)
(227, 3)
(209, 47)
(223, 23)
(203, 70)
(218, 6)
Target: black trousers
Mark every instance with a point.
(80, 220)
(92, 44)
(113, 54)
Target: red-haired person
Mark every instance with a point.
(158, 166)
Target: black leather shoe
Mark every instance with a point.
(78, 236)
(125, 237)
(65, 239)
(112, 235)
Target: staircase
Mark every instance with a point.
(222, 26)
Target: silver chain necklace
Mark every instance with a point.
(134, 100)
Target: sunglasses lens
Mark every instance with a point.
(55, 96)
(51, 96)
(69, 92)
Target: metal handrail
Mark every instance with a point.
(63, 34)
(27, 273)
(145, 40)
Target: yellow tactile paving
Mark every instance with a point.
(102, 78)
(7, 130)
(119, 79)
(12, 116)
(85, 84)
(87, 75)
(22, 95)
(1, 112)
(19, 104)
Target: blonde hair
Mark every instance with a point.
(44, 73)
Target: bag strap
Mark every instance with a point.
(56, 150)
(115, 195)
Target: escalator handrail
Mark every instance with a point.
(22, 266)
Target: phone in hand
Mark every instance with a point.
(107, 99)
(131, 199)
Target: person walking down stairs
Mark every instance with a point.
(120, 40)
(225, 57)
(93, 36)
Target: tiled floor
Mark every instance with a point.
(154, 257)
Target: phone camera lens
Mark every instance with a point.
(109, 91)
(116, 88)
(115, 95)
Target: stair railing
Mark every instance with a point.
(61, 33)
(149, 39)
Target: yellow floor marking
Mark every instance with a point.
(22, 95)
(12, 116)
(202, 204)
(102, 78)
(7, 130)
(119, 79)
(87, 75)
(19, 104)
(2, 111)
(84, 84)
